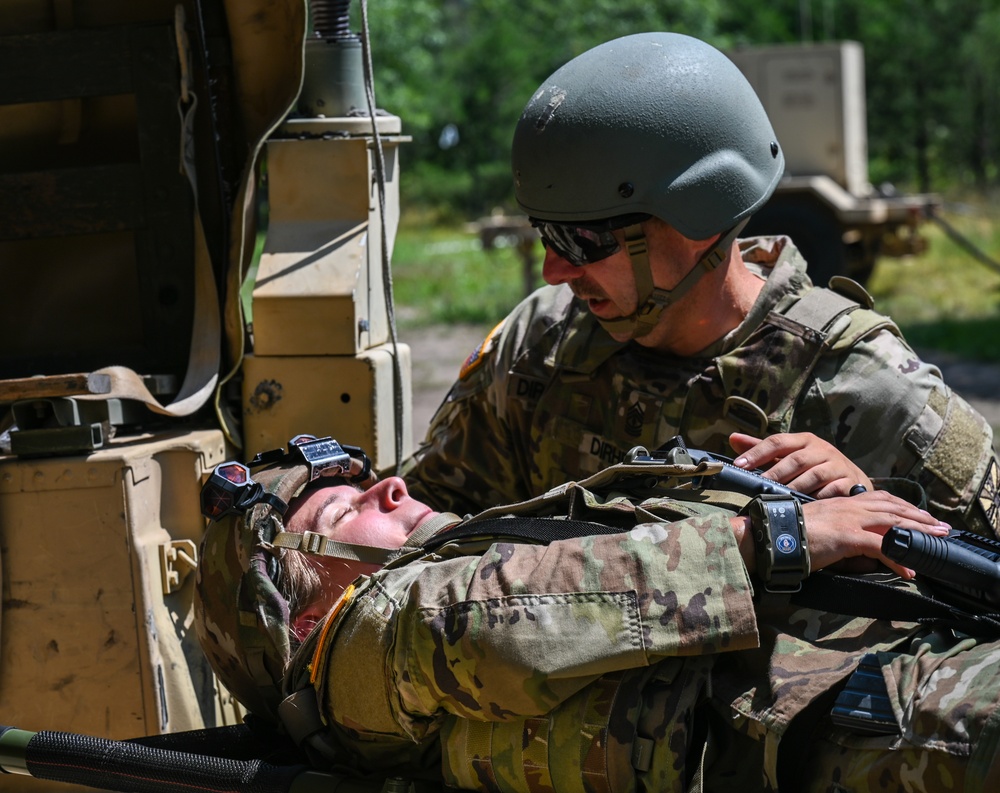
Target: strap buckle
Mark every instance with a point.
(312, 542)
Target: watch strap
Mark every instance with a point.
(779, 536)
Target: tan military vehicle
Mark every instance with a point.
(152, 328)
(814, 94)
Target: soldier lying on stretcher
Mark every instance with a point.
(612, 634)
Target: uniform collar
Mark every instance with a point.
(584, 345)
(778, 261)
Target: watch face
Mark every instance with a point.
(785, 543)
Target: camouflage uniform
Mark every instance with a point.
(606, 663)
(549, 396)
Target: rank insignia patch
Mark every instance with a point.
(634, 418)
(989, 496)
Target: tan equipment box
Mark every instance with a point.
(96, 554)
(815, 97)
(319, 288)
(323, 362)
(349, 398)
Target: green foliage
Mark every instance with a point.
(933, 78)
(474, 64)
(933, 102)
(443, 275)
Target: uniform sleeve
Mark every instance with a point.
(470, 460)
(521, 628)
(894, 416)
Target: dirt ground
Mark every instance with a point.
(438, 352)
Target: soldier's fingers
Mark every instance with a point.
(869, 512)
(866, 562)
(900, 511)
(741, 441)
(809, 471)
(848, 527)
(823, 481)
(879, 522)
(829, 478)
(769, 450)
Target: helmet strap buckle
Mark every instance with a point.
(652, 299)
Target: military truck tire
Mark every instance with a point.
(812, 228)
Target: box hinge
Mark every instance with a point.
(177, 559)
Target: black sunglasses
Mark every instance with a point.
(585, 243)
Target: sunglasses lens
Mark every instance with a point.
(577, 244)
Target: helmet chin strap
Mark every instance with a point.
(653, 300)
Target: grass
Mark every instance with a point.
(945, 299)
(443, 276)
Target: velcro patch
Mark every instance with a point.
(477, 356)
(962, 430)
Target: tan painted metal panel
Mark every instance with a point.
(347, 397)
(815, 97)
(89, 641)
(319, 285)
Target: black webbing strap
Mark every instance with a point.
(858, 596)
(538, 530)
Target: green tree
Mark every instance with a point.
(468, 66)
(472, 64)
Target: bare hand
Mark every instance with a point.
(800, 460)
(852, 528)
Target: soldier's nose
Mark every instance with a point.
(556, 270)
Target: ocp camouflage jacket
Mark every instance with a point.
(549, 396)
(582, 665)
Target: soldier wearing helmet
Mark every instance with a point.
(639, 161)
(600, 646)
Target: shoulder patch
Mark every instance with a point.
(989, 496)
(477, 356)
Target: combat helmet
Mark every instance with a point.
(241, 619)
(657, 124)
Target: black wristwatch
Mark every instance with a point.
(779, 538)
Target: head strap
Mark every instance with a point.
(240, 616)
(232, 490)
(314, 543)
(653, 300)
